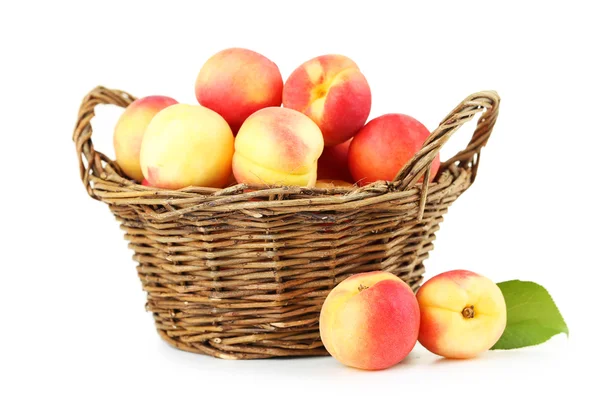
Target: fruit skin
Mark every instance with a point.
(129, 131)
(237, 82)
(384, 145)
(333, 163)
(333, 92)
(444, 330)
(370, 321)
(277, 146)
(187, 145)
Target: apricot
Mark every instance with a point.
(237, 82)
(277, 146)
(129, 131)
(463, 314)
(333, 92)
(384, 145)
(187, 145)
(333, 163)
(370, 321)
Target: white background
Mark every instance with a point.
(73, 321)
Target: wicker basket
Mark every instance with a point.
(241, 274)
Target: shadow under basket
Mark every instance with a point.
(242, 272)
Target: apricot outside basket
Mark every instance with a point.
(241, 274)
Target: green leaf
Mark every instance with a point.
(532, 316)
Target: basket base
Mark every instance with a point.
(240, 352)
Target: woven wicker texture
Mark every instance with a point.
(242, 272)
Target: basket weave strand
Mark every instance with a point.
(242, 272)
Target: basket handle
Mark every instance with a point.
(90, 160)
(469, 158)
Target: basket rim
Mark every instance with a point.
(114, 178)
(260, 204)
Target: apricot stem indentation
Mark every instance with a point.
(468, 312)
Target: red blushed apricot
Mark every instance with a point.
(463, 314)
(238, 82)
(277, 146)
(384, 145)
(333, 92)
(370, 321)
(333, 163)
